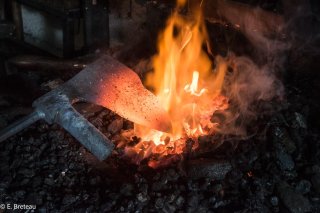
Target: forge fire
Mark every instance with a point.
(159, 106)
(187, 87)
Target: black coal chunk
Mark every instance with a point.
(294, 201)
(208, 168)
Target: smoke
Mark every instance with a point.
(252, 86)
(250, 89)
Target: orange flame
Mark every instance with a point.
(185, 83)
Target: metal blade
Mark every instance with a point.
(109, 83)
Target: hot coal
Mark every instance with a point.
(45, 166)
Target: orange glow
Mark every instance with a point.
(186, 84)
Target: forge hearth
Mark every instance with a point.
(234, 83)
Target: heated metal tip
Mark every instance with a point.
(165, 126)
(160, 120)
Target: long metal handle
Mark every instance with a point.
(87, 134)
(20, 125)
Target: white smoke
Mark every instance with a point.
(251, 87)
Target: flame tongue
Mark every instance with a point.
(193, 87)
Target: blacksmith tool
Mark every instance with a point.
(105, 82)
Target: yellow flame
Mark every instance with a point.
(183, 78)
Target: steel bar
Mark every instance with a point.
(45, 64)
(20, 125)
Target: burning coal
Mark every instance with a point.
(192, 88)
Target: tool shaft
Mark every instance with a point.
(87, 134)
(20, 125)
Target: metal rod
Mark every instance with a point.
(87, 134)
(20, 125)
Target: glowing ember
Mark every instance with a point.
(186, 85)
